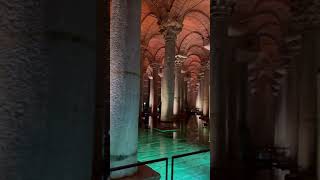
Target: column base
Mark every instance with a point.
(121, 162)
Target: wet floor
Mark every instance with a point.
(190, 137)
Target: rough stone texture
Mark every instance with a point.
(176, 102)
(72, 89)
(23, 89)
(167, 83)
(47, 90)
(124, 80)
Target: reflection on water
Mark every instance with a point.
(190, 137)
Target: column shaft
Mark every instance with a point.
(205, 105)
(151, 94)
(124, 80)
(167, 84)
(218, 96)
(177, 88)
(24, 91)
(156, 80)
(307, 103)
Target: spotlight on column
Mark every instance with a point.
(207, 47)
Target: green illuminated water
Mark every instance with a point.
(154, 145)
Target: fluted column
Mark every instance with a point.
(170, 31)
(218, 95)
(124, 84)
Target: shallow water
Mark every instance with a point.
(154, 144)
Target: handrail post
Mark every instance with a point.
(167, 168)
(184, 155)
(172, 165)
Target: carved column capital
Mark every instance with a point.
(179, 61)
(170, 29)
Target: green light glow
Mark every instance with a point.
(154, 145)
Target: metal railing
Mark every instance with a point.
(142, 163)
(184, 155)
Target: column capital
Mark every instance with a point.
(179, 60)
(170, 29)
(160, 71)
(201, 75)
(155, 66)
(205, 66)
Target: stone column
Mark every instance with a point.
(124, 84)
(292, 110)
(170, 31)
(24, 94)
(181, 92)
(188, 93)
(205, 105)
(177, 86)
(282, 120)
(156, 79)
(218, 92)
(318, 126)
(198, 95)
(185, 92)
(307, 102)
(151, 93)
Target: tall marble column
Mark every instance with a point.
(185, 92)
(156, 78)
(24, 68)
(124, 84)
(170, 31)
(307, 102)
(205, 105)
(182, 89)
(151, 93)
(218, 93)
(199, 101)
(177, 86)
(282, 120)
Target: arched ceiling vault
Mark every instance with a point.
(195, 33)
(263, 24)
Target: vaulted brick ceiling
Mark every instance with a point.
(191, 41)
(263, 24)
